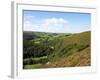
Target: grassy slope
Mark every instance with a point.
(76, 58)
(81, 58)
(71, 44)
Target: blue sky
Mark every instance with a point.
(56, 22)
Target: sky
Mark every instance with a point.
(56, 22)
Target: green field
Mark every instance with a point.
(51, 50)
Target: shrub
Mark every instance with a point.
(28, 62)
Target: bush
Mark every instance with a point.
(28, 62)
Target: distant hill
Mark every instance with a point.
(29, 35)
(44, 50)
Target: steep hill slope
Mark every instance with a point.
(47, 50)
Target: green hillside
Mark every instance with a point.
(49, 50)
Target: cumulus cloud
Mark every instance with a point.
(30, 23)
(29, 18)
(29, 26)
(54, 22)
(46, 25)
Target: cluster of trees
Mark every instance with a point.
(36, 50)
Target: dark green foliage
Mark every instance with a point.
(30, 61)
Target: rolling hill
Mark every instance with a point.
(49, 50)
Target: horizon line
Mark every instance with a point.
(55, 32)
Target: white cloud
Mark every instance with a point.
(54, 22)
(29, 23)
(29, 18)
(28, 26)
(46, 25)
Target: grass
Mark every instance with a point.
(59, 50)
(81, 58)
(32, 66)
